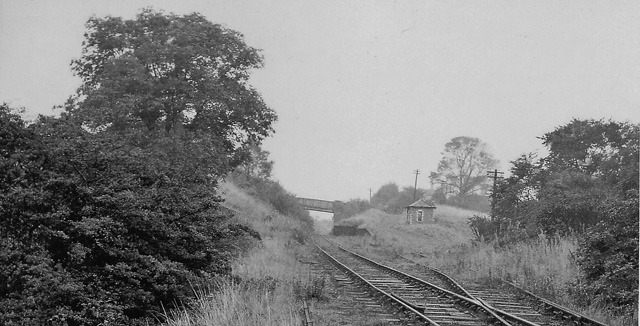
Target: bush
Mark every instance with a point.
(104, 228)
(483, 228)
(608, 257)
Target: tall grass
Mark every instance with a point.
(544, 265)
(262, 217)
(268, 283)
(268, 286)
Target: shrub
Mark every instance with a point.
(103, 228)
(608, 257)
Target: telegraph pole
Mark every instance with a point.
(415, 186)
(494, 174)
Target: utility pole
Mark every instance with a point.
(415, 186)
(369, 195)
(494, 174)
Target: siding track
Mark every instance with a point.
(437, 299)
(416, 301)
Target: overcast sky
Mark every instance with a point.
(368, 91)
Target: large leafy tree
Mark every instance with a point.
(603, 150)
(590, 163)
(464, 165)
(171, 73)
(111, 210)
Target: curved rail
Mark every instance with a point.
(463, 300)
(463, 304)
(556, 309)
(447, 279)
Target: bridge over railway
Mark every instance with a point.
(320, 205)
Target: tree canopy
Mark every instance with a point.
(112, 211)
(464, 165)
(172, 73)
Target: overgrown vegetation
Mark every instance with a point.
(254, 178)
(586, 187)
(102, 226)
(110, 211)
(268, 283)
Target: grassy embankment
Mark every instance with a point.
(543, 266)
(270, 279)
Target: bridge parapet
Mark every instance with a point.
(319, 205)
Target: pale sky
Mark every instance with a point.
(368, 91)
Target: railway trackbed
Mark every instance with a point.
(433, 298)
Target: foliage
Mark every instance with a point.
(606, 150)
(170, 73)
(482, 228)
(257, 164)
(102, 227)
(590, 163)
(390, 199)
(272, 193)
(464, 165)
(587, 186)
(385, 194)
(608, 257)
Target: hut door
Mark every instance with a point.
(420, 216)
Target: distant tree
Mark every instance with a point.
(172, 73)
(464, 165)
(406, 198)
(385, 194)
(392, 200)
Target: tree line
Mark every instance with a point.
(459, 180)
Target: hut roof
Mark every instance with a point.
(422, 203)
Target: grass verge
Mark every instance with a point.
(268, 283)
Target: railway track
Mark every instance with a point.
(416, 302)
(436, 299)
(513, 301)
